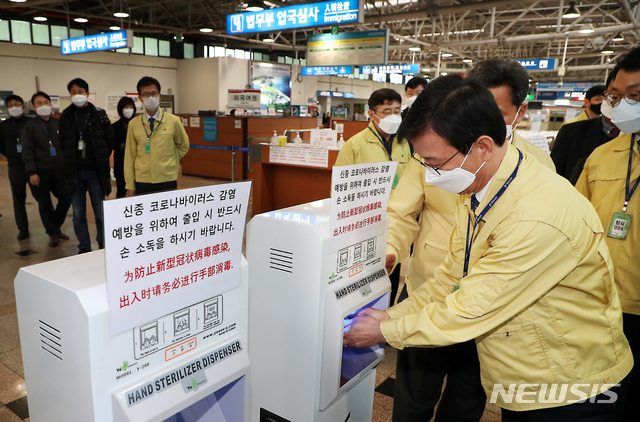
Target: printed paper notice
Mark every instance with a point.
(359, 199)
(168, 250)
(194, 121)
(301, 156)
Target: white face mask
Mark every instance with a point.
(390, 124)
(510, 127)
(16, 111)
(44, 111)
(606, 110)
(455, 181)
(151, 103)
(79, 100)
(411, 100)
(127, 113)
(626, 117)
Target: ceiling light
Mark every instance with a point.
(587, 28)
(446, 55)
(115, 28)
(572, 11)
(40, 18)
(443, 73)
(618, 37)
(81, 20)
(206, 30)
(426, 69)
(269, 39)
(415, 48)
(606, 52)
(467, 60)
(254, 6)
(121, 14)
(17, 1)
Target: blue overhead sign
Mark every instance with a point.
(335, 94)
(566, 86)
(298, 16)
(538, 64)
(327, 70)
(390, 68)
(98, 42)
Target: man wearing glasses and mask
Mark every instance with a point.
(610, 179)
(156, 142)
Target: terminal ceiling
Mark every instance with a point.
(468, 29)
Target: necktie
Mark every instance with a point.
(152, 121)
(474, 202)
(614, 133)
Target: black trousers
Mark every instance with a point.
(18, 180)
(596, 409)
(394, 278)
(52, 183)
(420, 373)
(631, 326)
(144, 188)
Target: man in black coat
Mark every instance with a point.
(11, 147)
(88, 131)
(576, 141)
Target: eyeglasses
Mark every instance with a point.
(149, 94)
(631, 97)
(429, 167)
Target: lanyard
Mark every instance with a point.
(84, 125)
(46, 130)
(629, 193)
(467, 245)
(17, 126)
(382, 142)
(154, 129)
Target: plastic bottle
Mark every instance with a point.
(341, 142)
(274, 138)
(297, 141)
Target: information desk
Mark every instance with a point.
(288, 176)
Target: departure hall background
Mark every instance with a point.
(287, 87)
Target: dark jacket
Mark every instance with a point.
(574, 143)
(10, 131)
(37, 138)
(120, 135)
(97, 135)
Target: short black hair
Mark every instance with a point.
(457, 109)
(380, 96)
(415, 82)
(14, 97)
(148, 81)
(595, 91)
(631, 61)
(79, 82)
(39, 94)
(493, 73)
(125, 101)
(611, 76)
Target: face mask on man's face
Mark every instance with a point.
(79, 100)
(411, 100)
(595, 108)
(626, 116)
(390, 124)
(510, 127)
(16, 111)
(151, 103)
(44, 110)
(456, 180)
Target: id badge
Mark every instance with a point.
(52, 151)
(81, 145)
(619, 227)
(19, 148)
(147, 148)
(396, 179)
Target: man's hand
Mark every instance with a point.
(364, 329)
(34, 179)
(390, 262)
(131, 192)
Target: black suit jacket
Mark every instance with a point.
(574, 143)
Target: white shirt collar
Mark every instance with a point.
(483, 191)
(154, 116)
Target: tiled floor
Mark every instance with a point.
(15, 254)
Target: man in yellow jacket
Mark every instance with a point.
(378, 142)
(609, 180)
(593, 99)
(156, 142)
(527, 273)
(422, 215)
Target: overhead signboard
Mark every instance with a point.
(335, 94)
(327, 70)
(98, 42)
(391, 68)
(298, 16)
(538, 64)
(349, 48)
(566, 86)
(243, 98)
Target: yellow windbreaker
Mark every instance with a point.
(168, 144)
(539, 298)
(365, 147)
(603, 182)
